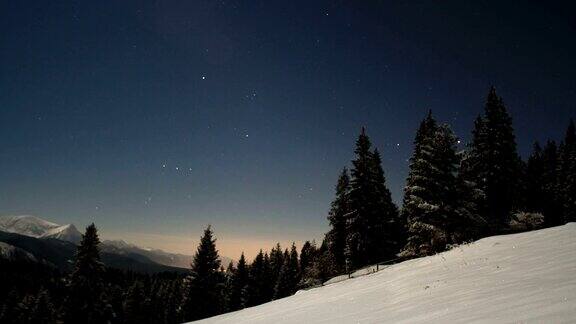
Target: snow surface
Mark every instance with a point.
(528, 277)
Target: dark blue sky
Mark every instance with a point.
(155, 118)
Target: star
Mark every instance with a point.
(203, 77)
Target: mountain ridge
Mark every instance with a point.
(60, 254)
(33, 226)
(36, 227)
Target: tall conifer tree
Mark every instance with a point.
(202, 290)
(289, 275)
(86, 301)
(417, 180)
(494, 164)
(552, 210)
(237, 289)
(370, 222)
(567, 174)
(336, 237)
(431, 199)
(255, 292)
(308, 253)
(388, 229)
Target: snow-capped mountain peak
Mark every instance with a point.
(33, 226)
(67, 232)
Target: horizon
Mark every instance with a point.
(156, 120)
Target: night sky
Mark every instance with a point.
(156, 118)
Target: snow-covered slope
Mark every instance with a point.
(39, 228)
(527, 277)
(67, 232)
(26, 225)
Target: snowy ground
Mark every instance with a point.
(528, 277)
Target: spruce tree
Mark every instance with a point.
(136, 305)
(387, 228)
(414, 190)
(551, 209)
(361, 196)
(295, 264)
(43, 310)
(336, 237)
(227, 298)
(494, 164)
(88, 263)
(9, 308)
(468, 224)
(86, 301)
(239, 281)
(276, 260)
(289, 275)
(172, 301)
(256, 289)
(24, 309)
(457, 215)
(535, 195)
(202, 289)
(372, 213)
(567, 174)
(308, 253)
(431, 191)
(418, 192)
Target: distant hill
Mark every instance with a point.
(60, 254)
(36, 227)
(10, 252)
(158, 256)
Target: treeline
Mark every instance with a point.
(33, 292)
(451, 196)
